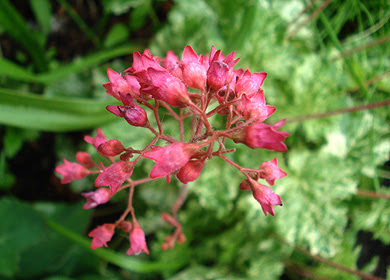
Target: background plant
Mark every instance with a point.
(328, 74)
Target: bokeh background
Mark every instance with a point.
(328, 74)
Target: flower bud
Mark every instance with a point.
(112, 147)
(85, 159)
(125, 226)
(191, 171)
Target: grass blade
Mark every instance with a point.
(32, 111)
(14, 71)
(17, 28)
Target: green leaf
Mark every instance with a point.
(312, 193)
(53, 252)
(347, 255)
(117, 34)
(43, 14)
(14, 71)
(14, 139)
(20, 228)
(32, 111)
(139, 15)
(217, 186)
(17, 28)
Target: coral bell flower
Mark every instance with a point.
(131, 112)
(101, 235)
(254, 107)
(96, 198)
(263, 136)
(71, 171)
(194, 72)
(220, 71)
(141, 62)
(265, 196)
(250, 83)
(137, 240)
(171, 64)
(97, 140)
(269, 171)
(167, 88)
(170, 158)
(114, 175)
(120, 85)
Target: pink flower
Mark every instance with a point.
(97, 140)
(250, 83)
(269, 171)
(137, 240)
(96, 198)
(265, 196)
(167, 88)
(141, 62)
(101, 235)
(171, 63)
(121, 85)
(220, 71)
(194, 71)
(112, 148)
(263, 136)
(170, 158)
(71, 171)
(115, 175)
(190, 171)
(131, 112)
(254, 107)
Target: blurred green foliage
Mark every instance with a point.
(309, 71)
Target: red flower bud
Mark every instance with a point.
(125, 226)
(112, 147)
(85, 159)
(191, 171)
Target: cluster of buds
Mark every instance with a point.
(197, 87)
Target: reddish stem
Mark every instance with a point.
(339, 111)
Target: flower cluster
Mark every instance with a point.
(197, 87)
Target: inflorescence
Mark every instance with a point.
(196, 88)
